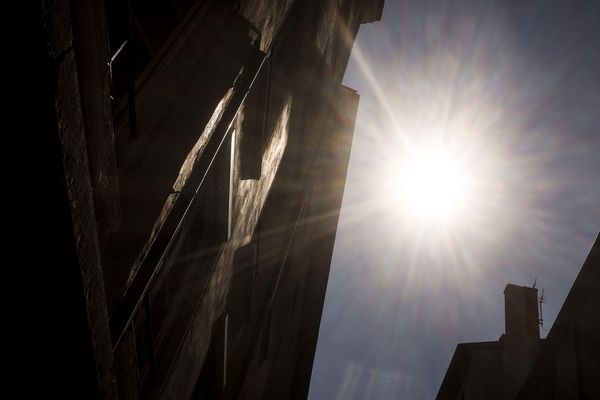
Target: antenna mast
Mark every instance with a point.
(541, 301)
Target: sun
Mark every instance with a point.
(432, 185)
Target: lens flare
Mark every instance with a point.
(432, 185)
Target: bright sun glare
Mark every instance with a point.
(432, 185)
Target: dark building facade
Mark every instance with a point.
(568, 364)
(197, 157)
(495, 370)
(520, 365)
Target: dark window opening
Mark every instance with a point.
(241, 292)
(137, 32)
(253, 124)
(212, 378)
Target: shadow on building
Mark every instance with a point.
(197, 152)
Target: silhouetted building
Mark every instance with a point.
(565, 365)
(198, 152)
(495, 370)
(568, 364)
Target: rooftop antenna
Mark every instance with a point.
(541, 301)
(534, 282)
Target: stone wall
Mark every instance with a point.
(191, 211)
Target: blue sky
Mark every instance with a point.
(517, 87)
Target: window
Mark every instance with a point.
(253, 124)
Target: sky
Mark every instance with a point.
(512, 89)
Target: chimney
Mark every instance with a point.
(521, 318)
(522, 338)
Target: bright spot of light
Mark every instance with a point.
(432, 185)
